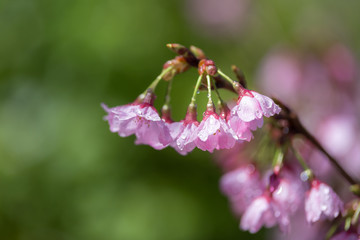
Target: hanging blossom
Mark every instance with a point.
(249, 111)
(215, 131)
(322, 202)
(183, 140)
(275, 206)
(139, 118)
(261, 203)
(242, 185)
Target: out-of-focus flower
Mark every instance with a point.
(281, 68)
(275, 206)
(218, 18)
(322, 202)
(263, 211)
(289, 192)
(341, 64)
(241, 186)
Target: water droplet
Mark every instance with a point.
(323, 207)
(304, 176)
(198, 92)
(326, 190)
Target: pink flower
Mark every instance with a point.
(321, 201)
(281, 199)
(346, 236)
(243, 129)
(182, 133)
(141, 119)
(289, 190)
(183, 139)
(252, 106)
(263, 211)
(242, 186)
(214, 133)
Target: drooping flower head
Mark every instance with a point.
(242, 186)
(274, 206)
(139, 118)
(182, 132)
(322, 202)
(214, 133)
(252, 106)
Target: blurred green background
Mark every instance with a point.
(63, 175)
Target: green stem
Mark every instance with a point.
(300, 159)
(355, 217)
(209, 89)
(217, 92)
(198, 82)
(227, 78)
(168, 90)
(153, 85)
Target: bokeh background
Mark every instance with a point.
(63, 175)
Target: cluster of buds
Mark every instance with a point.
(267, 199)
(220, 129)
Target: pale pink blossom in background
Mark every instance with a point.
(341, 64)
(241, 186)
(218, 18)
(322, 202)
(290, 191)
(339, 136)
(263, 211)
(300, 229)
(281, 68)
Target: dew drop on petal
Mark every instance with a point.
(304, 176)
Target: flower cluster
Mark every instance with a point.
(217, 130)
(257, 195)
(273, 199)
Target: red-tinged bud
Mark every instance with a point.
(197, 52)
(178, 65)
(210, 67)
(202, 66)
